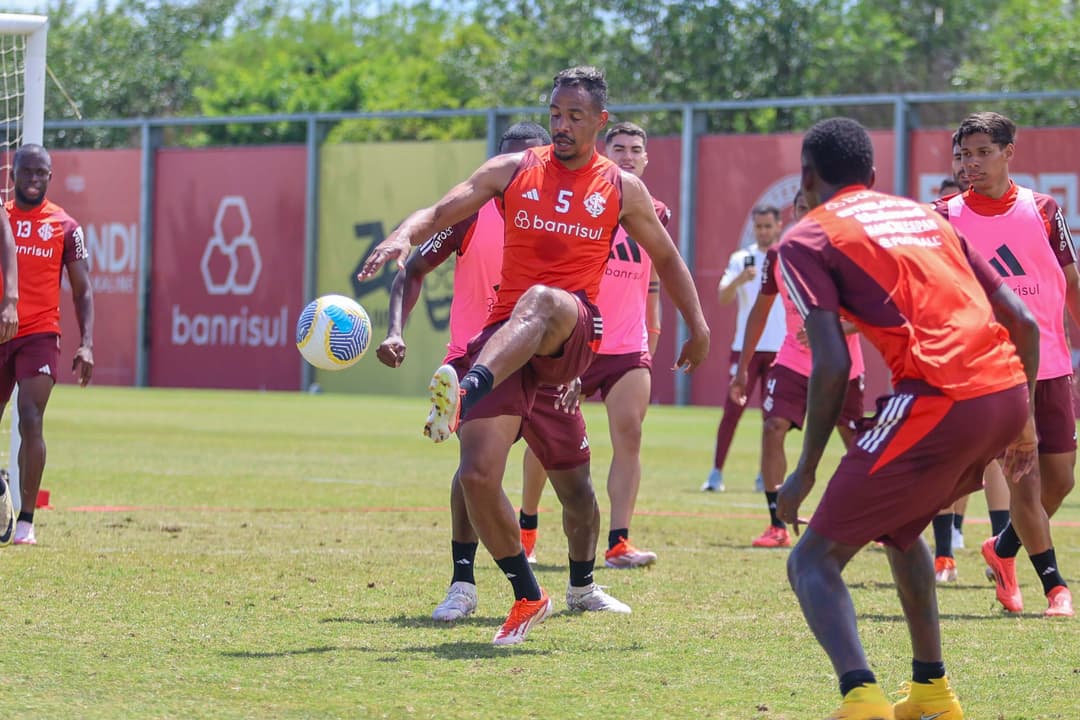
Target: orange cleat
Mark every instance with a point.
(1060, 599)
(1008, 590)
(523, 615)
(773, 537)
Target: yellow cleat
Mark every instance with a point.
(928, 701)
(866, 702)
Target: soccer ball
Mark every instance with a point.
(333, 332)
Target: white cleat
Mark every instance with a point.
(442, 421)
(7, 511)
(24, 533)
(592, 598)
(957, 539)
(460, 602)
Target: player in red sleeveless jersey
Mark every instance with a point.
(562, 206)
(47, 241)
(629, 302)
(9, 325)
(961, 347)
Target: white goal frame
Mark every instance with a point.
(35, 29)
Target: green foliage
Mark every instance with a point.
(243, 57)
(128, 59)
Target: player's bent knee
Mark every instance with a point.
(776, 426)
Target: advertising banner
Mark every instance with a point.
(365, 191)
(100, 189)
(228, 268)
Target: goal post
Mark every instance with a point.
(23, 40)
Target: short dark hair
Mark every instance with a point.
(525, 130)
(765, 209)
(948, 183)
(956, 139)
(839, 149)
(1002, 130)
(626, 128)
(585, 76)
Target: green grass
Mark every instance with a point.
(285, 551)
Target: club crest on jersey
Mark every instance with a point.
(45, 232)
(595, 204)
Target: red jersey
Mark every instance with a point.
(46, 239)
(560, 224)
(912, 286)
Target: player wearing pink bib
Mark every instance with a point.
(784, 405)
(1024, 236)
(629, 302)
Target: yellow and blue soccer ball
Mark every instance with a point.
(333, 332)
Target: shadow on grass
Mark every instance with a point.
(946, 616)
(443, 651)
(249, 655)
(473, 650)
(416, 621)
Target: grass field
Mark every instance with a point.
(264, 555)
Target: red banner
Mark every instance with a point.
(228, 259)
(100, 189)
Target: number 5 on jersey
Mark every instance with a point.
(562, 205)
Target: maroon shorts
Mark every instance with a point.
(558, 439)
(27, 356)
(785, 397)
(919, 453)
(514, 395)
(606, 370)
(1055, 422)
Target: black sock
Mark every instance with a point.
(25, 516)
(1008, 543)
(517, 571)
(958, 521)
(616, 536)
(581, 572)
(1046, 565)
(943, 525)
(464, 555)
(924, 672)
(999, 520)
(528, 522)
(770, 498)
(477, 383)
(854, 678)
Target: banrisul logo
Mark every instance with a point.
(1006, 263)
(230, 266)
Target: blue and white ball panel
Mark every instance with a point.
(333, 332)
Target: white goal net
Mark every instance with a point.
(22, 85)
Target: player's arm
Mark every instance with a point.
(755, 326)
(652, 299)
(640, 221)
(464, 199)
(814, 293)
(405, 289)
(82, 294)
(1062, 244)
(728, 289)
(9, 265)
(652, 311)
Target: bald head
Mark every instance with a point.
(31, 170)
